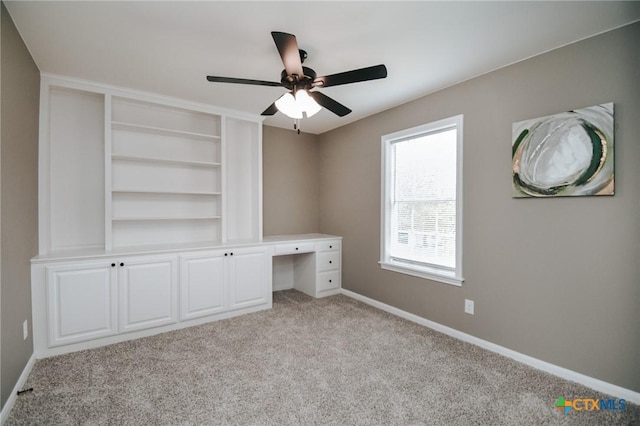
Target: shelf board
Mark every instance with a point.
(164, 160)
(148, 218)
(151, 191)
(120, 125)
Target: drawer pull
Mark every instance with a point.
(331, 261)
(121, 263)
(113, 265)
(330, 246)
(329, 280)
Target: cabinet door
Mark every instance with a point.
(148, 290)
(248, 277)
(202, 285)
(81, 302)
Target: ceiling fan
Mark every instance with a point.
(299, 80)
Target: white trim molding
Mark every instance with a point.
(6, 410)
(564, 373)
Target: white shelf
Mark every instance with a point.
(120, 125)
(143, 191)
(165, 218)
(164, 160)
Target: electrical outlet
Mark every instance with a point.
(25, 329)
(468, 306)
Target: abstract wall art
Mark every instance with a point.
(566, 154)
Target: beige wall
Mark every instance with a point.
(290, 182)
(20, 80)
(556, 279)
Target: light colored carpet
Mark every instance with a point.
(331, 361)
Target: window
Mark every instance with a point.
(422, 201)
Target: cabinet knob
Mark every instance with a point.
(121, 263)
(330, 246)
(226, 254)
(329, 280)
(231, 254)
(296, 248)
(113, 265)
(331, 261)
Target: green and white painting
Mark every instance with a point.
(566, 154)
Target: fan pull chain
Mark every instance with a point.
(296, 125)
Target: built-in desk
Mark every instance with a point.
(312, 264)
(85, 299)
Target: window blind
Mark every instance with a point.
(424, 199)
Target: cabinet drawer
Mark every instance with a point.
(328, 281)
(294, 248)
(328, 261)
(328, 245)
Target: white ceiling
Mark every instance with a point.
(169, 47)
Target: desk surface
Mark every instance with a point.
(87, 254)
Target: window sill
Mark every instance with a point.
(433, 274)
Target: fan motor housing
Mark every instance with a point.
(303, 82)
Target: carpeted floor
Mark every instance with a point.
(330, 361)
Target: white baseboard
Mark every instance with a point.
(6, 410)
(595, 384)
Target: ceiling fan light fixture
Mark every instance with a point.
(297, 106)
(287, 105)
(306, 103)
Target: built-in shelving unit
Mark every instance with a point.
(150, 219)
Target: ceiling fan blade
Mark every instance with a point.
(215, 79)
(363, 74)
(332, 105)
(271, 110)
(288, 49)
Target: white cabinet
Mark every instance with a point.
(81, 302)
(148, 292)
(85, 301)
(216, 281)
(203, 288)
(91, 300)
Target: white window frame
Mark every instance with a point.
(433, 272)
